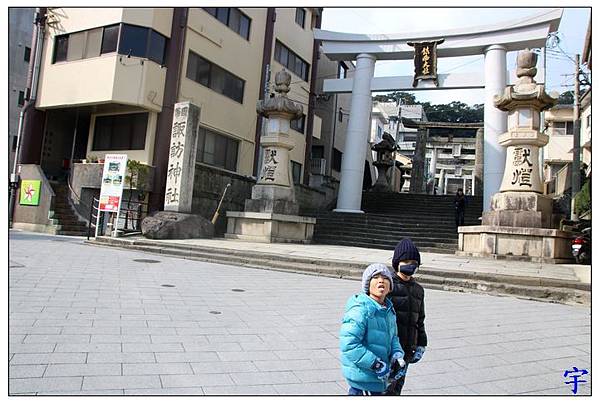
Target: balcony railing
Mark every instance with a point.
(317, 166)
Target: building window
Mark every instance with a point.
(110, 37)
(61, 44)
(233, 18)
(342, 70)
(296, 171)
(292, 61)
(563, 128)
(27, 54)
(14, 143)
(131, 40)
(317, 152)
(456, 149)
(142, 42)
(300, 16)
(336, 160)
(298, 124)
(217, 150)
(21, 100)
(214, 77)
(588, 121)
(120, 132)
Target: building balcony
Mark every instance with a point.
(107, 79)
(318, 166)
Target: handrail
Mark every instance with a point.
(92, 216)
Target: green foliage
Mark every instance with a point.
(137, 174)
(566, 98)
(455, 112)
(583, 199)
(401, 98)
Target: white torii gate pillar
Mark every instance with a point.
(495, 123)
(350, 193)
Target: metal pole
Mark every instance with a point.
(575, 176)
(395, 151)
(32, 84)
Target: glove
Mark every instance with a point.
(398, 366)
(381, 369)
(418, 354)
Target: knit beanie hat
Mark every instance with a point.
(371, 271)
(405, 250)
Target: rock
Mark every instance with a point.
(172, 225)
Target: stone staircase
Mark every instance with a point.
(62, 215)
(427, 219)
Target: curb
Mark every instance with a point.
(540, 289)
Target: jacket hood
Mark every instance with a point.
(369, 303)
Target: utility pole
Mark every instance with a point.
(575, 175)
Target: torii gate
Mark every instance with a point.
(491, 41)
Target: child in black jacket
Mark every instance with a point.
(408, 298)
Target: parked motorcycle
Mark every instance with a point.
(581, 246)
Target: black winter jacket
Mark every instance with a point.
(408, 298)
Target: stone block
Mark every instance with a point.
(516, 218)
(526, 201)
(271, 206)
(535, 244)
(172, 225)
(272, 192)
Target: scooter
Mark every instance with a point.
(581, 247)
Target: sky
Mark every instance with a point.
(572, 31)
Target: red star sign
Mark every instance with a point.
(29, 193)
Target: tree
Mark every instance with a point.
(566, 98)
(400, 97)
(455, 112)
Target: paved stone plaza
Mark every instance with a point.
(92, 320)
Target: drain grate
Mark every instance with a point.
(167, 285)
(215, 312)
(237, 290)
(146, 261)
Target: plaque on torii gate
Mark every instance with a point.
(425, 61)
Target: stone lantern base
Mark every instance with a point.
(269, 227)
(519, 209)
(518, 227)
(539, 245)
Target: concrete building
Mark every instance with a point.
(451, 155)
(109, 78)
(558, 155)
(332, 110)
(20, 27)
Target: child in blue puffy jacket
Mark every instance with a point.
(369, 336)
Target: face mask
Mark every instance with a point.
(408, 269)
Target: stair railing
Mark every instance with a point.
(93, 218)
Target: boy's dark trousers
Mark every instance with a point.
(395, 387)
(459, 217)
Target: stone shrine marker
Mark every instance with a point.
(182, 158)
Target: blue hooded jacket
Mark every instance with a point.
(368, 332)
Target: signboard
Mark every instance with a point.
(113, 178)
(425, 61)
(30, 192)
(182, 158)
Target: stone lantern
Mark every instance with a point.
(271, 215)
(520, 202)
(385, 159)
(519, 224)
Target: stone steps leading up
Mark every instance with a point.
(428, 220)
(62, 214)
